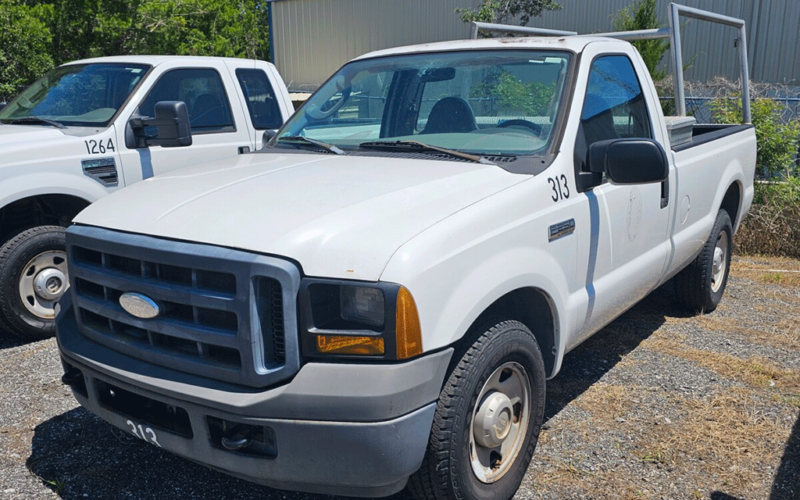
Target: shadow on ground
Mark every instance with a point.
(77, 455)
(7, 340)
(594, 358)
(787, 480)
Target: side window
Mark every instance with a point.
(261, 103)
(202, 91)
(614, 106)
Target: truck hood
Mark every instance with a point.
(26, 135)
(28, 143)
(338, 216)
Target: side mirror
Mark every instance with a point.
(268, 135)
(629, 161)
(172, 126)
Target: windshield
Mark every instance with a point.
(81, 95)
(478, 102)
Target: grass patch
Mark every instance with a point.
(754, 371)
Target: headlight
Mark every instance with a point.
(360, 304)
(354, 319)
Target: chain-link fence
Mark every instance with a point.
(700, 96)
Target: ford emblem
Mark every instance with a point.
(139, 305)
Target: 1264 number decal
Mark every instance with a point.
(99, 147)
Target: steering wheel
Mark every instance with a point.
(331, 106)
(537, 129)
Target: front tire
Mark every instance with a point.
(33, 276)
(699, 287)
(487, 419)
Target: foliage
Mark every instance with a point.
(642, 16)
(35, 34)
(773, 225)
(513, 95)
(506, 11)
(776, 141)
(24, 43)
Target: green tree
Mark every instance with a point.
(91, 28)
(505, 11)
(642, 16)
(24, 46)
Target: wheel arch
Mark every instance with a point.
(534, 308)
(38, 210)
(732, 202)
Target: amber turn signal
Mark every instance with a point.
(347, 344)
(409, 333)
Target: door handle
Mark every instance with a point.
(244, 150)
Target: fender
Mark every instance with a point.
(447, 314)
(41, 183)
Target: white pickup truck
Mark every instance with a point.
(383, 292)
(72, 137)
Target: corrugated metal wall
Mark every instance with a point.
(312, 38)
(772, 34)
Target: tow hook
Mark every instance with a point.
(236, 438)
(72, 378)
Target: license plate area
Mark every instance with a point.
(145, 412)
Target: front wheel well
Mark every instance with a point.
(533, 308)
(41, 210)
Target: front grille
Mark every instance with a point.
(223, 313)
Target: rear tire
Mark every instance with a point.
(494, 393)
(33, 276)
(699, 287)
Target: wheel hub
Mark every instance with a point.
(719, 262)
(49, 284)
(493, 420)
(499, 422)
(42, 282)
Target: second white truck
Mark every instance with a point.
(378, 298)
(73, 137)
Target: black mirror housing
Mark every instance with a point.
(629, 161)
(171, 122)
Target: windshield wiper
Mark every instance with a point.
(421, 146)
(32, 120)
(306, 140)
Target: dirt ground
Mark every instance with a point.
(657, 405)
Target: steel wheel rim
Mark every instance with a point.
(719, 263)
(42, 282)
(508, 384)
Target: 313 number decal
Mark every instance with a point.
(99, 147)
(144, 433)
(560, 187)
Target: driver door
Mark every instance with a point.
(217, 121)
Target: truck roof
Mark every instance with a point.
(571, 43)
(153, 60)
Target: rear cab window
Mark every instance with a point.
(262, 105)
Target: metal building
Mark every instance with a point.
(312, 38)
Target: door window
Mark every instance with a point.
(261, 103)
(614, 106)
(204, 94)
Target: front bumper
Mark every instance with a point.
(346, 429)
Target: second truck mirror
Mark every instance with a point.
(629, 161)
(172, 126)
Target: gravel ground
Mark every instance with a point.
(657, 405)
